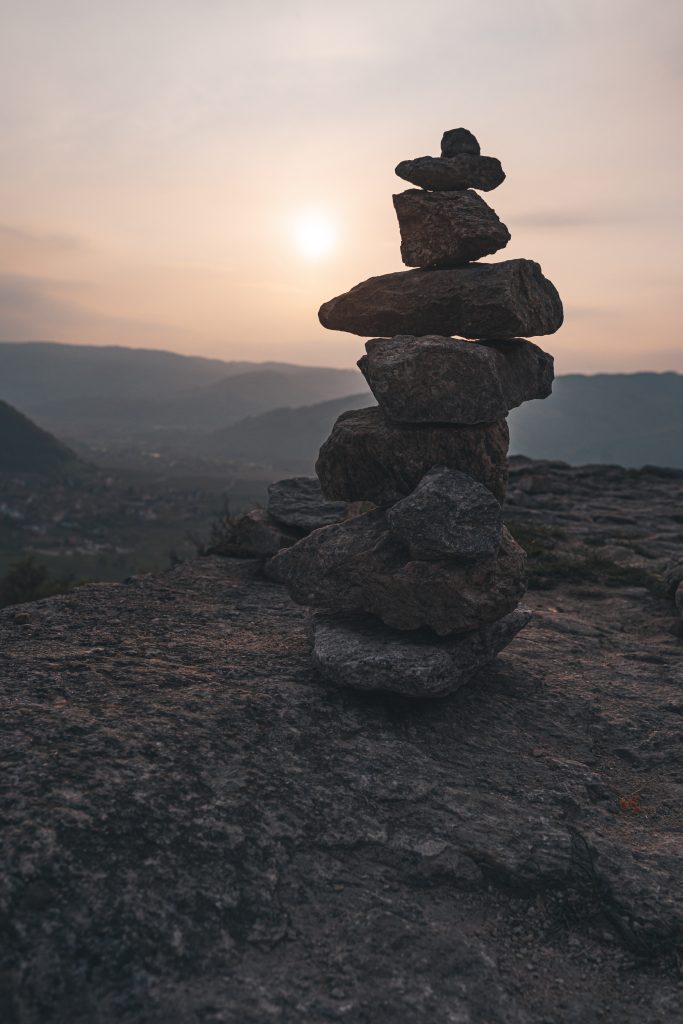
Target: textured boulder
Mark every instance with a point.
(364, 654)
(367, 457)
(482, 300)
(448, 515)
(447, 229)
(459, 140)
(360, 566)
(299, 502)
(447, 174)
(434, 379)
(255, 535)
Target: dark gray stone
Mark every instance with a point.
(482, 300)
(434, 379)
(447, 174)
(360, 566)
(673, 574)
(446, 229)
(459, 140)
(299, 502)
(255, 534)
(363, 654)
(448, 515)
(367, 457)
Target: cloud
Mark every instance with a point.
(13, 235)
(40, 308)
(553, 219)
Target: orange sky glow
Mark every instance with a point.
(200, 175)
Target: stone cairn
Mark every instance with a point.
(418, 593)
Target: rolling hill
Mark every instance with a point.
(25, 448)
(288, 439)
(631, 419)
(80, 390)
(627, 419)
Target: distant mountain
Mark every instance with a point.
(631, 419)
(25, 448)
(288, 439)
(78, 390)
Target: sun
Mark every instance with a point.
(314, 234)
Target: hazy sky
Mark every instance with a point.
(160, 159)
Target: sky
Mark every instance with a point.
(200, 175)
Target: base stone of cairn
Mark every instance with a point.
(418, 594)
(363, 654)
(361, 565)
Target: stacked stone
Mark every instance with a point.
(420, 592)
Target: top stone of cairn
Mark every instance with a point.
(460, 166)
(459, 140)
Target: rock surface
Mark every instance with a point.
(255, 534)
(367, 457)
(446, 380)
(196, 829)
(299, 502)
(459, 140)
(482, 300)
(361, 653)
(448, 515)
(359, 566)
(446, 229)
(453, 173)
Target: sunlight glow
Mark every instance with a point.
(314, 235)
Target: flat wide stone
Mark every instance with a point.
(364, 654)
(299, 502)
(447, 229)
(446, 174)
(360, 566)
(482, 300)
(368, 457)
(434, 379)
(448, 515)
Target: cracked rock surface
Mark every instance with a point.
(197, 829)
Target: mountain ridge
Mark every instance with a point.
(27, 448)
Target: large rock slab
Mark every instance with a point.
(360, 566)
(459, 140)
(363, 654)
(299, 502)
(367, 457)
(195, 829)
(446, 229)
(464, 170)
(434, 379)
(448, 515)
(482, 300)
